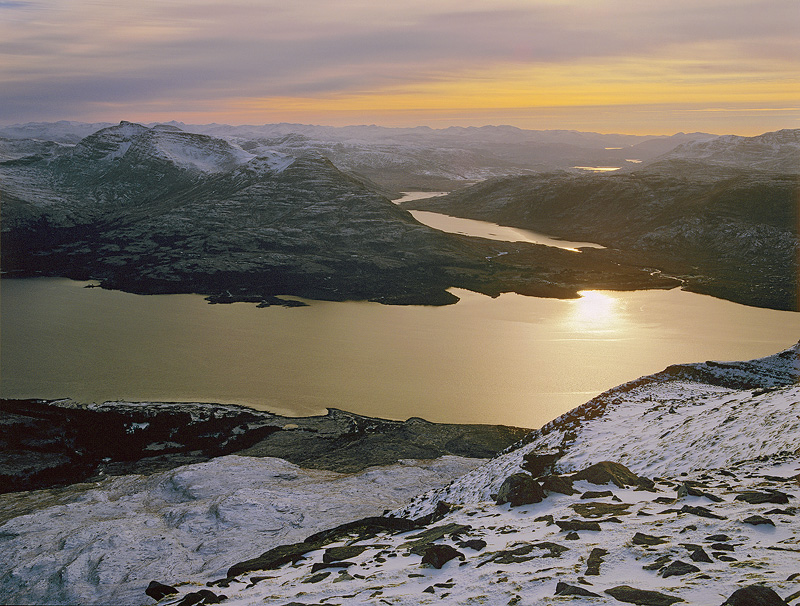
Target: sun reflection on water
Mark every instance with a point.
(596, 312)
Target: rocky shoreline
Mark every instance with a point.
(47, 443)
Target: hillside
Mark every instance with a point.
(705, 504)
(703, 213)
(160, 210)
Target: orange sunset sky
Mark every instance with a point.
(633, 66)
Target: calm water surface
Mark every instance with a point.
(513, 360)
(485, 229)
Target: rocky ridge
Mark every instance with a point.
(704, 512)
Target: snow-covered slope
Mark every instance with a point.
(102, 543)
(774, 151)
(721, 515)
(688, 417)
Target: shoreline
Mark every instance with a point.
(49, 443)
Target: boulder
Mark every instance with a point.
(438, 555)
(610, 472)
(565, 589)
(678, 568)
(646, 539)
(560, 484)
(756, 497)
(520, 489)
(643, 597)
(594, 561)
(157, 590)
(754, 595)
(539, 463)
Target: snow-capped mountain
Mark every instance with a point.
(400, 159)
(777, 151)
(706, 504)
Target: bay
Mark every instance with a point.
(513, 360)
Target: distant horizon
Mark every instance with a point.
(392, 127)
(643, 68)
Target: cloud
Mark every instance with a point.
(83, 53)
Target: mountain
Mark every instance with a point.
(420, 158)
(160, 210)
(777, 151)
(702, 213)
(681, 486)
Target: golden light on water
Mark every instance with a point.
(596, 312)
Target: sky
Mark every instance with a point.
(632, 66)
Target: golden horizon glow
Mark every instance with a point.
(720, 66)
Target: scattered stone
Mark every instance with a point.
(539, 463)
(594, 494)
(520, 489)
(660, 562)
(548, 518)
(559, 484)
(723, 557)
(425, 537)
(204, 596)
(572, 536)
(438, 555)
(646, 539)
(678, 568)
(323, 565)
(523, 553)
(624, 593)
(316, 578)
(723, 547)
(758, 520)
(594, 561)
(157, 590)
(274, 558)
(717, 537)
(429, 589)
(700, 511)
(663, 501)
(700, 555)
(476, 544)
(577, 525)
(596, 510)
(616, 473)
(346, 552)
(754, 595)
(683, 491)
(565, 589)
(755, 497)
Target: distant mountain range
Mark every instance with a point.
(419, 158)
(161, 210)
(720, 214)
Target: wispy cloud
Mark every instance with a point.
(57, 57)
